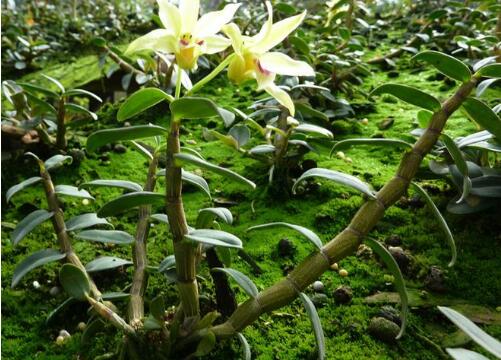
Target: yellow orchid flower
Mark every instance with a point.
(253, 60)
(185, 35)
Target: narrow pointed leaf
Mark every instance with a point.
(315, 323)
(68, 190)
(106, 263)
(483, 115)
(168, 263)
(343, 144)
(78, 109)
(392, 265)
(30, 222)
(82, 92)
(314, 129)
(463, 354)
(74, 281)
(57, 161)
(307, 233)
(338, 177)
(460, 162)
(33, 261)
(199, 108)
(446, 64)
(195, 180)
(38, 89)
(140, 101)
(183, 158)
(214, 237)
(207, 215)
(441, 220)
(85, 221)
(142, 150)
(163, 218)
(129, 201)
(473, 331)
(242, 280)
(106, 236)
(122, 184)
(409, 95)
(21, 186)
(103, 137)
(262, 149)
(54, 81)
(52, 315)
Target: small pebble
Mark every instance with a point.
(498, 309)
(319, 299)
(343, 273)
(85, 202)
(120, 149)
(285, 248)
(54, 291)
(343, 294)
(318, 286)
(364, 252)
(64, 334)
(60, 340)
(127, 124)
(341, 155)
(383, 329)
(335, 267)
(349, 160)
(365, 121)
(36, 284)
(81, 326)
(191, 142)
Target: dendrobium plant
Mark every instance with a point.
(253, 59)
(185, 35)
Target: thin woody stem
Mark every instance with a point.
(140, 277)
(345, 243)
(59, 226)
(185, 253)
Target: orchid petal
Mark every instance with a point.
(189, 10)
(159, 39)
(214, 44)
(211, 23)
(170, 17)
(236, 69)
(281, 96)
(233, 32)
(282, 64)
(265, 29)
(278, 32)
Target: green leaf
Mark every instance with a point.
(483, 339)
(214, 237)
(183, 158)
(343, 144)
(74, 281)
(38, 89)
(460, 162)
(441, 220)
(54, 81)
(338, 177)
(241, 134)
(207, 320)
(262, 149)
(483, 115)
(242, 280)
(157, 308)
(57, 161)
(206, 345)
(21, 186)
(106, 236)
(142, 150)
(40, 106)
(207, 215)
(491, 71)
(314, 129)
(33, 261)
(68, 190)
(310, 235)
(103, 137)
(122, 184)
(199, 108)
(85, 221)
(245, 346)
(315, 323)
(163, 218)
(463, 354)
(409, 95)
(30, 222)
(446, 64)
(168, 263)
(106, 263)
(115, 295)
(141, 100)
(58, 309)
(392, 265)
(129, 201)
(81, 92)
(78, 109)
(195, 180)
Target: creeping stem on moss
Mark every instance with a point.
(140, 278)
(60, 227)
(184, 252)
(345, 243)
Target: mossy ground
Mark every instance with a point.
(285, 333)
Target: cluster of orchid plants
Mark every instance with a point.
(182, 330)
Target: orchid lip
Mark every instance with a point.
(261, 69)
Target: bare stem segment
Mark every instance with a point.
(345, 243)
(140, 278)
(185, 253)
